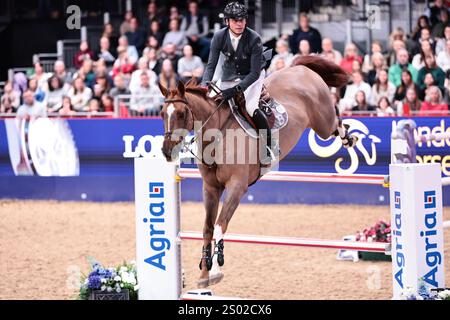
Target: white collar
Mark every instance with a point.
(232, 36)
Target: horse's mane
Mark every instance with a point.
(193, 87)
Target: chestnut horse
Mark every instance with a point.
(303, 90)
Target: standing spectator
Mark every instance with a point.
(146, 99)
(395, 71)
(132, 53)
(136, 36)
(55, 94)
(10, 99)
(196, 27)
(432, 68)
(350, 92)
(327, 48)
(438, 29)
(407, 83)
(384, 108)
(305, 32)
(443, 58)
(350, 54)
(135, 81)
(84, 54)
(30, 107)
(441, 43)
(175, 36)
(422, 22)
(382, 88)
(123, 65)
(104, 52)
(378, 63)
(409, 104)
(433, 104)
(190, 66)
(376, 48)
(125, 26)
(282, 49)
(168, 77)
(80, 95)
(67, 108)
(120, 87)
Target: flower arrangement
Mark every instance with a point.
(424, 293)
(109, 280)
(380, 232)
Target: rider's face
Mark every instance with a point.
(237, 26)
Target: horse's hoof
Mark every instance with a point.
(202, 283)
(215, 278)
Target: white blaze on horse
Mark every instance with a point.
(303, 90)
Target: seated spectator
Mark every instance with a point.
(108, 32)
(433, 104)
(153, 14)
(196, 27)
(123, 65)
(282, 49)
(418, 62)
(382, 88)
(155, 32)
(93, 106)
(384, 108)
(132, 53)
(154, 63)
(80, 95)
(41, 76)
(175, 36)
(120, 87)
(190, 66)
(395, 71)
(350, 54)
(378, 63)
(304, 49)
(425, 36)
(30, 107)
(443, 58)
(169, 52)
(55, 94)
(39, 94)
(407, 83)
(168, 77)
(65, 76)
(136, 75)
(361, 104)
(20, 82)
(442, 43)
(10, 99)
(397, 45)
(438, 29)
(435, 11)
(436, 72)
(327, 49)
(409, 104)
(350, 92)
(102, 72)
(376, 49)
(305, 32)
(422, 22)
(428, 82)
(146, 100)
(107, 103)
(125, 26)
(84, 54)
(102, 81)
(174, 13)
(104, 52)
(136, 36)
(87, 73)
(66, 107)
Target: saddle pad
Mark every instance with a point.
(281, 119)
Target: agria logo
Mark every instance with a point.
(397, 201)
(397, 240)
(159, 243)
(433, 256)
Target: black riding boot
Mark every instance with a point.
(265, 134)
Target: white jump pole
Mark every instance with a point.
(417, 230)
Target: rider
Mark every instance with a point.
(237, 53)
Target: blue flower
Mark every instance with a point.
(94, 281)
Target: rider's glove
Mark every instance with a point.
(228, 94)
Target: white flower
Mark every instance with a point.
(121, 285)
(86, 281)
(444, 295)
(109, 289)
(118, 289)
(133, 262)
(103, 280)
(136, 287)
(123, 269)
(118, 279)
(103, 288)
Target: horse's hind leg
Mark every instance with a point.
(211, 198)
(348, 141)
(235, 191)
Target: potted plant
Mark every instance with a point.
(113, 283)
(425, 293)
(380, 232)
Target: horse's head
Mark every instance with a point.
(178, 120)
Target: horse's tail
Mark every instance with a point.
(331, 73)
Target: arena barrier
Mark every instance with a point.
(158, 235)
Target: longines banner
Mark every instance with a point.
(57, 147)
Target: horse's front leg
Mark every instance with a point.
(211, 198)
(235, 190)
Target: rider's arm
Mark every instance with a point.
(214, 54)
(255, 65)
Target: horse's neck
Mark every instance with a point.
(206, 113)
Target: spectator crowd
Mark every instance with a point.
(411, 75)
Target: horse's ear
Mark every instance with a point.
(192, 82)
(181, 88)
(164, 91)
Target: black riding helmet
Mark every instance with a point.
(235, 10)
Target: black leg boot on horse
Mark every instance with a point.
(265, 136)
(348, 141)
